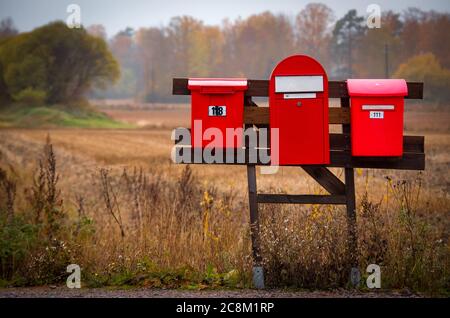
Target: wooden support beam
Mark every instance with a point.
(351, 209)
(301, 199)
(326, 179)
(258, 273)
(351, 216)
(260, 88)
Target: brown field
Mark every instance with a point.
(207, 231)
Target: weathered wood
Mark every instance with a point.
(301, 199)
(254, 214)
(342, 159)
(326, 179)
(350, 204)
(260, 88)
(409, 161)
(342, 142)
(258, 278)
(260, 115)
(351, 216)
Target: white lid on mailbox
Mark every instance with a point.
(217, 82)
(377, 87)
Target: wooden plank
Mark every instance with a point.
(260, 115)
(326, 179)
(338, 115)
(256, 115)
(301, 199)
(410, 143)
(342, 159)
(342, 142)
(409, 161)
(336, 89)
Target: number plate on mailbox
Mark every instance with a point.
(377, 115)
(217, 110)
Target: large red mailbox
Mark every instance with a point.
(298, 101)
(377, 116)
(217, 103)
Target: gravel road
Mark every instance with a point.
(64, 292)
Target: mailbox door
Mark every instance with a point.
(219, 104)
(377, 126)
(219, 111)
(301, 133)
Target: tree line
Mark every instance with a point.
(186, 47)
(413, 44)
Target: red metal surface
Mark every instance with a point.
(303, 130)
(208, 92)
(377, 87)
(381, 135)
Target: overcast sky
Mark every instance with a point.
(115, 15)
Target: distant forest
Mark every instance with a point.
(412, 44)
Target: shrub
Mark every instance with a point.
(426, 68)
(17, 238)
(31, 97)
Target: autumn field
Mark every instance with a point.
(128, 216)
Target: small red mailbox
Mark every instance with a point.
(298, 101)
(377, 116)
(217, 103)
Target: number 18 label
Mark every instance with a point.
(217, 110)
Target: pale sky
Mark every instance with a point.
(115, 15)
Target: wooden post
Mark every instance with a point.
(258, 272)
(351, 211)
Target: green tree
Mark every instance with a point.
(427, 69)
(346, 34)
(63, 63)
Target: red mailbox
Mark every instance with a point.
(377, 116)
(217, 103)
(298, 101)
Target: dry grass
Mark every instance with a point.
(136, 218)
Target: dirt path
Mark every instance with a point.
(64, 292)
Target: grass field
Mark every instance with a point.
(136, 218)
(56, 116)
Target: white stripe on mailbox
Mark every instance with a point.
(301, 95)
(378, 107)
(298, 84)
